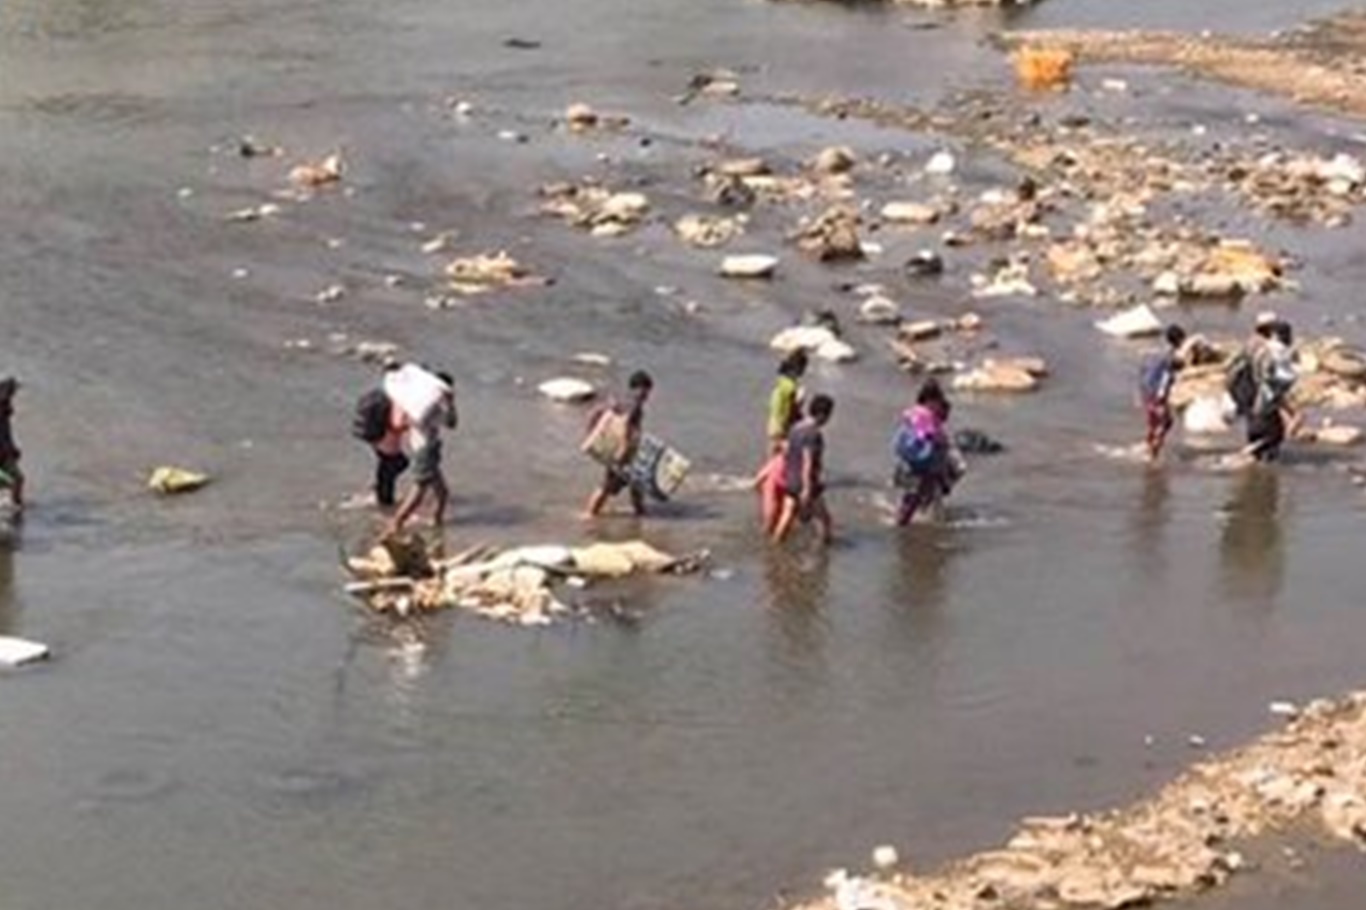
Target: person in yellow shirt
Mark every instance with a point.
(784, 411)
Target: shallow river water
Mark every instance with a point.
(221, 729)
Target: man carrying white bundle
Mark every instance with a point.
(428, 401)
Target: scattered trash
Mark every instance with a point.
(1009, 376)
(568, 390)
(518, 585)
(1138, 322)
(19, 652)
(1208, 415)
(833, 235)
(254, 213)
(318, 174)
(708, 231)
(1335, 435)
(581, 118)
(924, 264)
(330, 294)
(817, 339)
(441, 243)
(915, 213)
(591, 359)
(879, 310)
(835, 160)
(480, 274)
(1044, 68)
(885, 858)
(749, 266)
(168, 480)
(941, 164)
(595, 209)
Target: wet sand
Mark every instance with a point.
(221, 728)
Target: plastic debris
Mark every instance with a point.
(401, 576)
(17, 652)
(749, 266)
(568, 390)
(169, 480)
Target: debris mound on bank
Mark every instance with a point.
(402, 575)
(1178, 843)
(1315, 65)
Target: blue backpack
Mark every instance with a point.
(914, 451)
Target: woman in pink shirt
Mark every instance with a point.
(924, 468)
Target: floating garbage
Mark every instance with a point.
(568, 390)
(749, 266)
(819, 340)
(471, 275)
(17, 652)
(708, 231)
(170, 480)
(1044, 68)
(518, 585)
(1138, 322)
(317, 174)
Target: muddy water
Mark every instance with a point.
(221, 730)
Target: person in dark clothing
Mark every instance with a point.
(10, 472)
(390, 460)
(804, 473)
(1272, 417)
(615, 478)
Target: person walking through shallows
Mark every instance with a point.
(804, 473)
(615, 477)
(1155, 383)
(424, 443)
(784, 410)
(1259, 379)
(11, 475)
(381, 425)
(927, 468)
(1273, 419)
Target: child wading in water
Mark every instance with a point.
(1155, 390)
(11, 475)
(784, 410)
(804, 473)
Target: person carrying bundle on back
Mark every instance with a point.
(615, 477)
(427, 401)
(1259, 380)
(927, 467)
(381, 425)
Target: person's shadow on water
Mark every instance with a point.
(1251, 545)
(9, 604)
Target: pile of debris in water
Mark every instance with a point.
(404, 575)
(1181, 842)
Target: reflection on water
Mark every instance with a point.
(9, 604)
(1251, 544)
(797, 585)
(1149, 520)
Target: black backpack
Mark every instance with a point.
(371, 420)
(1240, 380)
